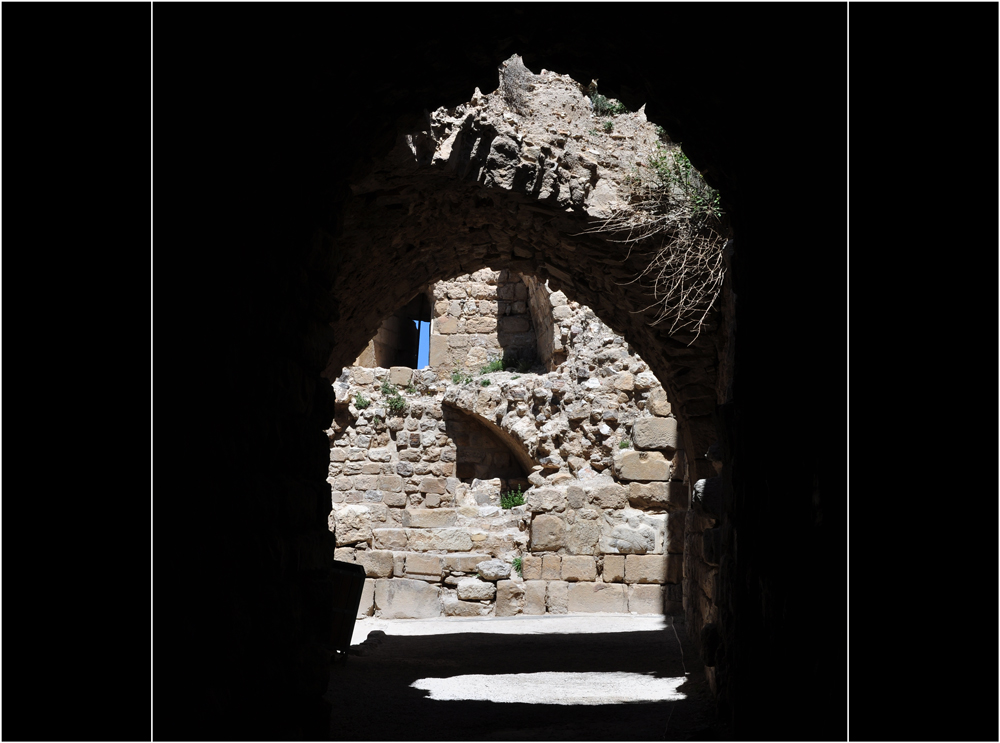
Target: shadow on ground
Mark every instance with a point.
(372, 697)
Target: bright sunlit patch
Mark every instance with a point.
(554, 688)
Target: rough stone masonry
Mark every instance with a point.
(419, 460)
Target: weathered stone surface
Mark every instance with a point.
(541, 500)
(377, 563)
(614, 568)
(552, 567)
(607, 495)
(401, 598)
(598, 597)
(577, 568)
(494, 570)
(582, 537)
(453, 607)
(424, 567)
(675, 568)
(534, 597)
(429, 518)
(400, 375)
(677, 496)
(473, 589)
(657, 402)
(367, 606)
(646, 599)
(389, 539)
(451, 540)
(353, 524)
(646, 569)
(651, 495)
(675, 532)
(344, 554)
(531, 567)
(655, 433)
(642, 465)
(547, 533)
(433, 485)
(464, 563)
(510, 598)
(557, 597)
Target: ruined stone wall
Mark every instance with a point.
(417, 490)
(479, 317)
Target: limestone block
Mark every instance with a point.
(606, 495)
(446, 325)
(541, 500)
(557, 597)
(614, 568)
(651, 495)
(365, 482)
(362, 376)
(531, 568)
(547, 533)
(534, 597)
(655, 433)
(373, 496)
(428, 518)
(353, 524)
(578, 568)
(396, 500)
(645, 381)
(400, 375)
(390, 483)
(342, 483)
(657, 402)
(464, 563)
(344, 554)
(423, 567)
(367, 606)
(646, 569)
(493, 570)
(552, 567)
(624, 382)
(582, 537)
(510, 598)
(675, 532)
(433, 485)
(646, 599)
(377, 563)
(642, 465)
(598, 597)
(400, 598)
(389, 539)
(398, 564)
(453, 607)
(473, 589)
(630, 537)
(451, 540)
(370, 468)
(576, 496)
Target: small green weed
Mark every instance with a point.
(512, 498)
(458, 377)
(516, 376)
(609, 126)
(494, 366)
(607, 106)
(361, 402)
(411, 390)
(376, 421)
(519, 566)
(396, 403)
(484, 383)
(624, 444)
(388, 388)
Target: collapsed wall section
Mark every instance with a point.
(421, 460)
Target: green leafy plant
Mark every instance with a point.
(607, 106)
(377, 421)
(458, 377)
(494, 365)
(609, 126)
(411, 390)
(519, 566)
(396, 403)
(388, 388)
(512, 498)
(361, 402)
(484, 383)
(516, 376)
(624, 444)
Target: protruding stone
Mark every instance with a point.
(494, 570)
(400, 375)
(642, 465)
(655, 433)
(424, 567)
